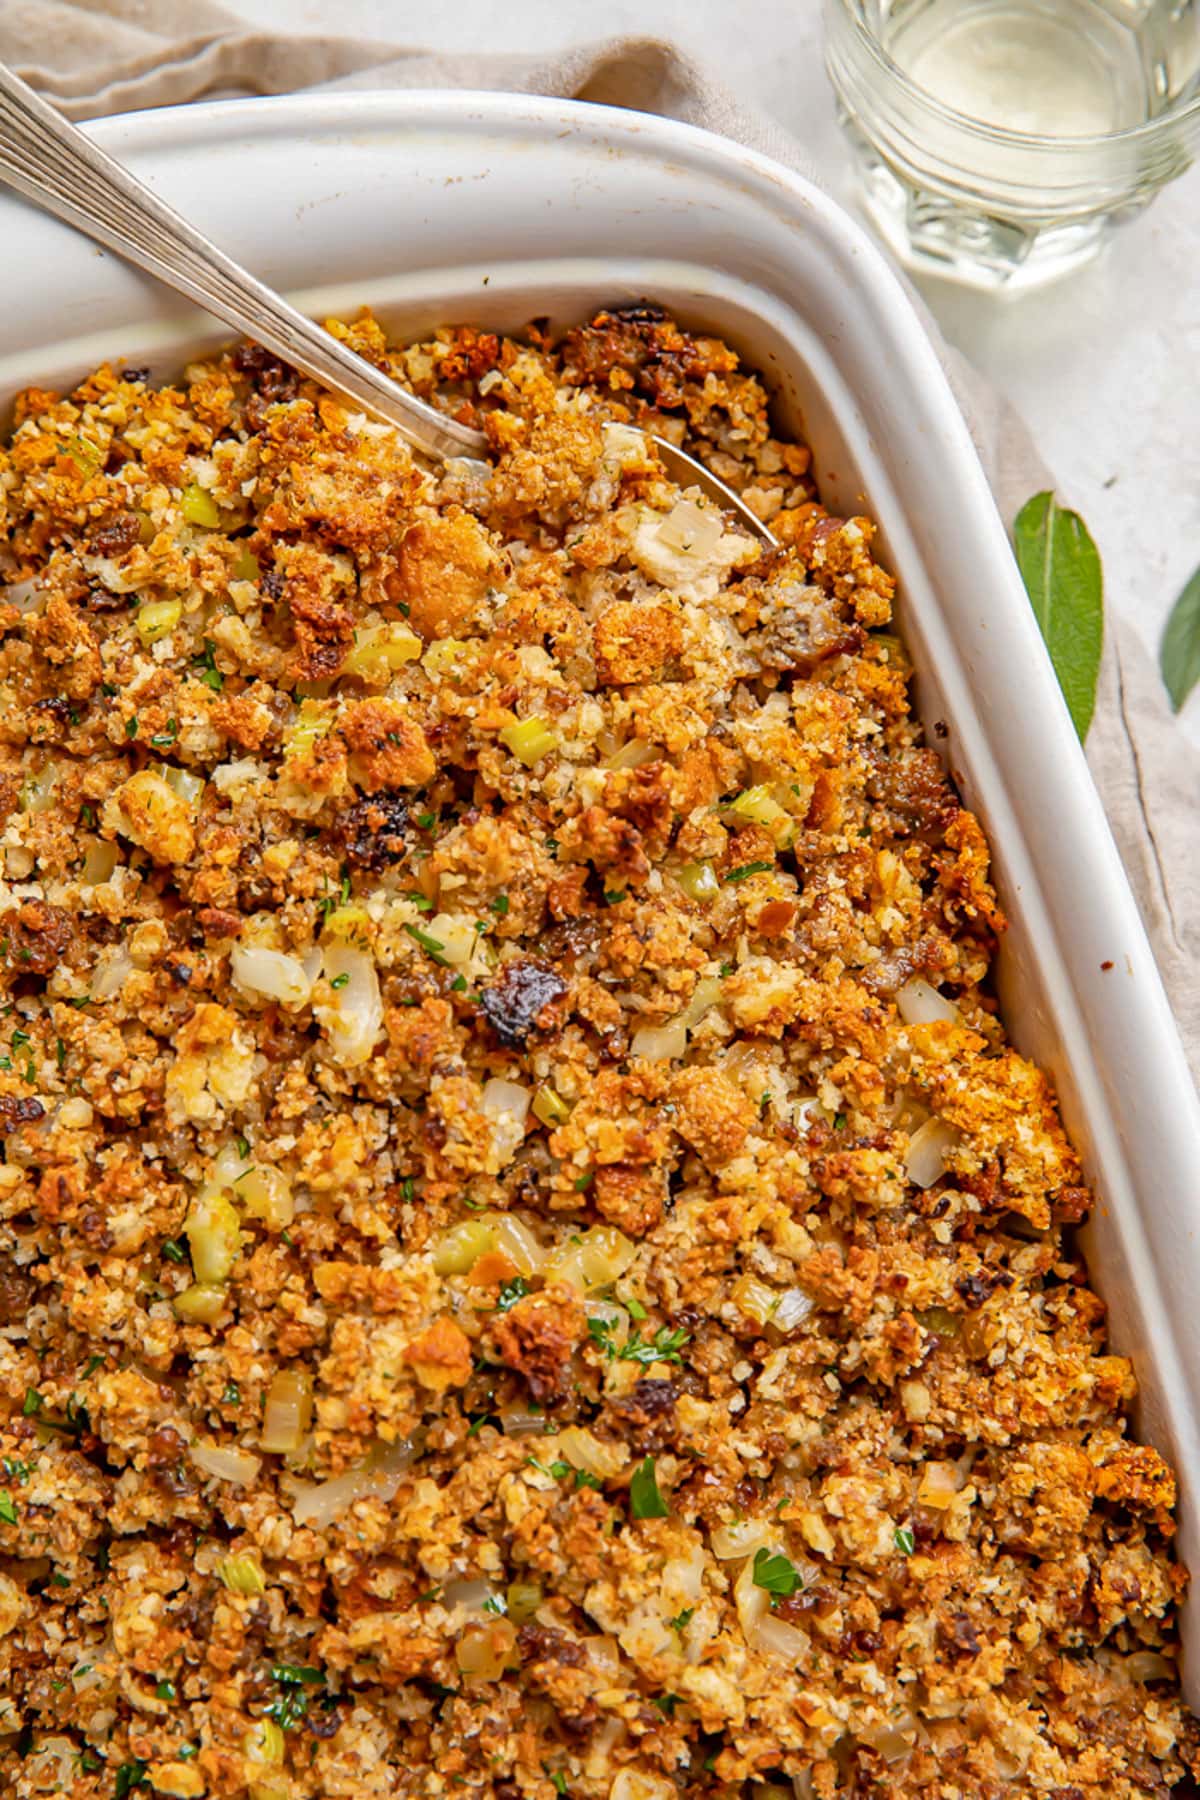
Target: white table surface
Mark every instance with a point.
(1104, 366)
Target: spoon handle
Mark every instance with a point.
(52, 163)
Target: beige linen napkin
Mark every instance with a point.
(101, 56)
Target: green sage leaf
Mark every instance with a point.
(776, 1573)
(1060, 566)
(645, 1501)
(1179, 654)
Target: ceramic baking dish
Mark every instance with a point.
(495, 209)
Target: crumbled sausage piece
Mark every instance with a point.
(515, 1003)
(34, 936)
(116, 536)
(646, 1414)
(270, 376)
(373, 833)
(546, 1644)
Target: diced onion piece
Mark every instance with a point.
(228, 1167)
(707, 994)
(599, 1256)
(633, 755)
(24, 595)
(381, 649)
(467, 1596)
(758, 806)
(240, 773)
(271, 974)
(264, 1193)
(37, 789)
(199, 507)
(939, 1485)
(743, 1538)
(604, 1654)
(660, 1043)
(189, 787)
(199, 1304)
(313, 721)
(753, 1602)
(459, 1249)
(777, 1638)
(926, 1159)
(378, 1475)
(921, 1004)
(1149, 1665)
(456, 935)
(699, 881)
(892, 1740)
(486, 1650)
(99, 861)
(524, 1598)
(792, 1307)
(157, 619)
(353, 1014)
(515, 1240)
(518, 1423)
(806, 1111)
(506, 1104)
(754, 1298)
(635, 1784)
(224, 1464)
(550, 1107)
(584, 1451)
(214, 1235)
(287, 1414)
(242, 1573)
(529, 740)
(691, 527)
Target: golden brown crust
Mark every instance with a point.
(496, 997)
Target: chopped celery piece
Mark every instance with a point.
(157, 619)
(199, 1304)
(699, 881)
(199, 507)
(550, 1107)
(529, 740)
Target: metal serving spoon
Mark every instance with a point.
(52, 163)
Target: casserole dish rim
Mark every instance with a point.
(1134, 1113)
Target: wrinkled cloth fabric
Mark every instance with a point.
(94, 57)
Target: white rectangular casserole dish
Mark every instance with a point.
(440, 208)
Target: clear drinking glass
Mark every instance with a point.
(998, 139)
